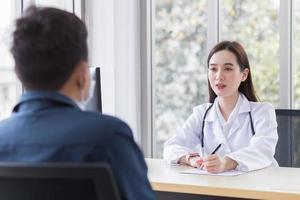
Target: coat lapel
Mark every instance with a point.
(241, 115)
(214, 127)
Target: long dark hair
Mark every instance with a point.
(246, 87)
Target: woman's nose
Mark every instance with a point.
(219, 75)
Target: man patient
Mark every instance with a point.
(50, 51)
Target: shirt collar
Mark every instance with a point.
(54, 96)
(243, 105)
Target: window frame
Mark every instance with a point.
(146, 47)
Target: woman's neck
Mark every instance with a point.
(227, 104)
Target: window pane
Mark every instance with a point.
(179, 74)
(9, 86)
(255, 24)
(296, 49)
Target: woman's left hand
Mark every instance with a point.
(216, 164)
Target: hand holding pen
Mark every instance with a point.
(195, 160)
(212, 161)
(216, 164)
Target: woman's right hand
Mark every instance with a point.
(193, 160)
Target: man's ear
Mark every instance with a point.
(81, 77)
(245, 73)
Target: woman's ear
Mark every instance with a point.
(245, 73)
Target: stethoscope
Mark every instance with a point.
(203, 124)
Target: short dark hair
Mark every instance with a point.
(246, 87)
(48, 44)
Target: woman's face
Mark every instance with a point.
(224, 74)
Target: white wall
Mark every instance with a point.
(100, 22)
(114, 46)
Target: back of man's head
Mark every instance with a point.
(48, 43)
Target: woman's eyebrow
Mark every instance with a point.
(228, 64)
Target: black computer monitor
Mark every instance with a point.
(95, 104)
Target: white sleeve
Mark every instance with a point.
(260, 152)
(186, 139)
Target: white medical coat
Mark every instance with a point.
(235, 135)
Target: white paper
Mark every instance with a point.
(203, 172)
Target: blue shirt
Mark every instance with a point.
(49, 127)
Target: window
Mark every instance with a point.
(65, 4)
(296, 77)
(184, 31)
(255, 24)
(180, 80)
(296, 55)
(9, 86)
(73, 6)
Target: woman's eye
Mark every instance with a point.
(228, 69)
(212, 69)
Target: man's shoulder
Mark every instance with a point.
(77, 125)
(107, 122)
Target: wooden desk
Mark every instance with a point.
(270, 183)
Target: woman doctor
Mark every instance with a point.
(233, 131)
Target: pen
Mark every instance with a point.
(218, 147)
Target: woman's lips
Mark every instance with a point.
(220, 86)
